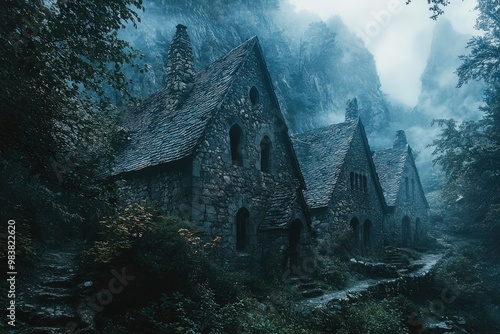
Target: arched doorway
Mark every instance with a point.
(367, 233)
(406, 231)
(242, 217)
(355, 230)
(293, 242)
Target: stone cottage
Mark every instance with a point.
(406, 224)
(213, 147)
(343, 192)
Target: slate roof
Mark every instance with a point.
(280, 209)
(157, 134)
(322, 153)
(390, 163)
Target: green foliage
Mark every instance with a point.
(482, 61)
(181, 313)
(385, 316)
(436, 7)
(333, 271)
(57, 58)
(469, 152)
(373, 317)
(121, 232)
(34, 204)
(166, 248)
(459, 272)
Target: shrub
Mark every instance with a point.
(121, 232)
(168, 248)
(459, 271)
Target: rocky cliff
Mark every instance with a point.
(316, 66)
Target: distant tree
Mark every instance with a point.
(469, 153)
(318, 48)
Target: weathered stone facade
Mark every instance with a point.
(222, 187)
(214, 149)
(408, 218)
(347, 202)
(168, 187)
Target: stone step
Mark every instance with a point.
(312, 293)
(307, 286)
(59, 297)
(46, 330)
(57, 282)
(48, 316)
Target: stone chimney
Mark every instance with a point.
(180, 68)
(400, 140)
(351, 110)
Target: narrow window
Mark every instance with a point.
(407, 188)
(356, 176)
(235, 137)
(351, 176)
(365, 184)
(254, 95)
(412, 189)
(265, 155)
(242, 229)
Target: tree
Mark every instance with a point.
(436, 7)
(469, 153)
(59, 59)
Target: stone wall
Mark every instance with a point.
(409, 203)
(347, 203)
(221, 187)
(166, 187)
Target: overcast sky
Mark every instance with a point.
(398, 35)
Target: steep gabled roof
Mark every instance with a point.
(160, 134)
(390, 164)
(322, 153)
(280, 207)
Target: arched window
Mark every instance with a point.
(355, 230)
(365, 184)
(242, 217)
(412, 189)
(265, 155)
(367, 233)
(406, 231)
(254, 95)
(236, 137)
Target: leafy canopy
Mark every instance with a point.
(58, 59)
(469, 152)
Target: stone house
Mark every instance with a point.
(213, 147)
(404, 195)
(343, 193)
